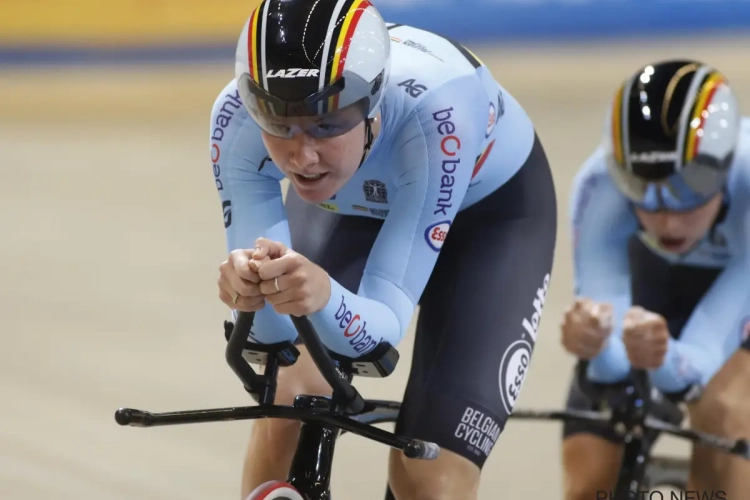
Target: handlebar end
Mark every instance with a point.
(129, 416)
(742, 448)
(123, 416)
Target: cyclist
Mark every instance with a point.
(661, 229)
(415, 178)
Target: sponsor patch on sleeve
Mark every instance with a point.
(436, 233)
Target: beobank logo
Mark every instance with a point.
(354, 329)
(450, 145)
(223, 118)
(436, 233)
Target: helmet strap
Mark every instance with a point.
(368, 141)
(263, 163)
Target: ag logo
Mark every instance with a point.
(227, 207)
(436, 233)
(412, 88)
(513, 368)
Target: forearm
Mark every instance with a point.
(684, 365)
(611, 365)
(353, 325)
(269, 327)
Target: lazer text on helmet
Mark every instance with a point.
(293, 73)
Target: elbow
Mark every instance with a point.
(684, 365)
(393, 335)
(670, 380)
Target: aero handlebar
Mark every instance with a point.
(343, 391)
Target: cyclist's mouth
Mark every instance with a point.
(672, 244)
(309, 180)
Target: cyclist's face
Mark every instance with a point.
(317, 168)
(678, 232)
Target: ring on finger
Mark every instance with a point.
(276, 282)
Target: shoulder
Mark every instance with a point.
(593, 192)
(229, 120)
(739, 177)
(228, 111)
(738, 184)
(592, 173)
(424, 63)
(435, 59)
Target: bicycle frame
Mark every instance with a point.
(323, 418)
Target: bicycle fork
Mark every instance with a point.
(310, 472)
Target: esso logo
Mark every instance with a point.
(436, 233)
(513, 369)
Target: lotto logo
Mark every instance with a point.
(436, 233)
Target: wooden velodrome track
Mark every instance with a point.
(111, 237)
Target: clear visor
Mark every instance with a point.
(310, 115)
(685, 190)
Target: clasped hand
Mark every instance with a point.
(646, 338)
(587, 325)
(274, 274)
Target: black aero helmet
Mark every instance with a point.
(671, 135)
(312, 58)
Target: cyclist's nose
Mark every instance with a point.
(303, 151)
(672, 223)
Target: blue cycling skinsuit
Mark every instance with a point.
(704, 295)
(454, 209)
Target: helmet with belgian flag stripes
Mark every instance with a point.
(671, 135)
(298, 59)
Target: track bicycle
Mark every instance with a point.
(639, 413)
(636, 411)
(323, 418)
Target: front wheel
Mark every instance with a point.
(275, 490)
(667, 471)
